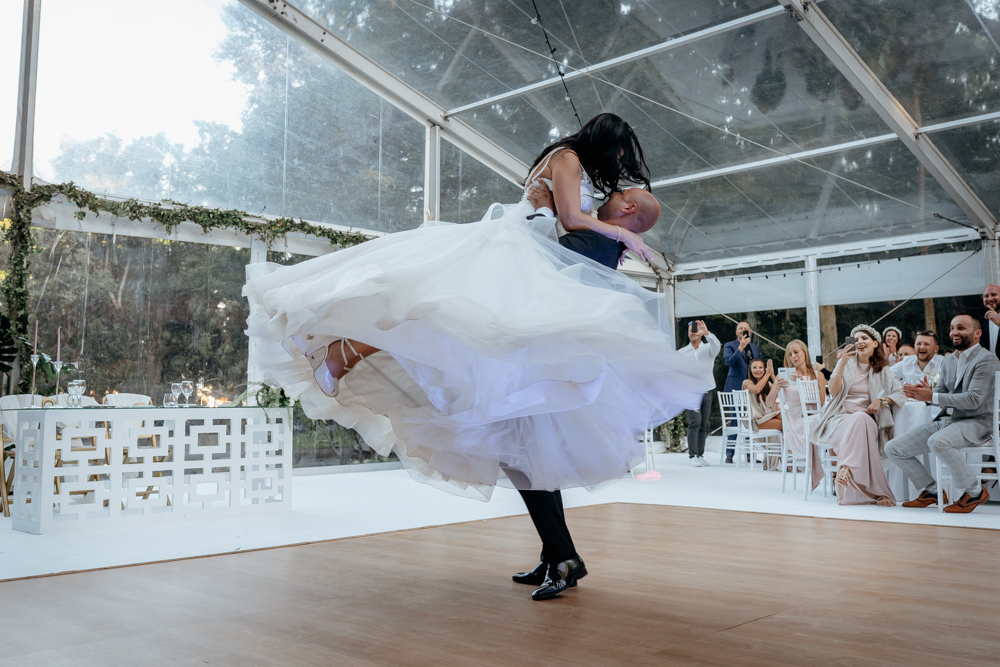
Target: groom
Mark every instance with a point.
(560, 567)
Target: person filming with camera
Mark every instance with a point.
(704, 346)
(738, 355)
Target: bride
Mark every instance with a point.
(492, 351)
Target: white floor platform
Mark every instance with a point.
(336, 506)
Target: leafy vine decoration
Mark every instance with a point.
(17, 233)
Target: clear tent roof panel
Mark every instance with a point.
(790, 208)
(437, 48)
(974, 151)
(940, 59)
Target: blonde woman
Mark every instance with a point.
(797, 358)
(857, 421)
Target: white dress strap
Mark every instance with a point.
(533, 176)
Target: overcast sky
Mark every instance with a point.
(102, 66)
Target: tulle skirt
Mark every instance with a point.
(504, 357)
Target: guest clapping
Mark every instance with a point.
(890, 342)
(797, 358)
(763, 387)
(857, 421)
(925, 363)
(966, 386)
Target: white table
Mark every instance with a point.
(910, 415)
(106, 466)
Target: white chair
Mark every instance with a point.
(828, 460)
(127, 399)
(749, 441)
(978, 453)
(8, 428)
(810, 406)
(646, 438)
(728, 409)
(62, 400)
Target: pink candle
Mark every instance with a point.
(36, 338)
(59, 344)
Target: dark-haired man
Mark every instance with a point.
(991, 320)
(926, 361)
(966, 388)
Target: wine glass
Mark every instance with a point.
(175, 389)
(81, 385)
(187, 387)
(170, 400)
(73, 389)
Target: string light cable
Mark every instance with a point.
(560, 67)
(584, 72)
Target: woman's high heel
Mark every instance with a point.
(321, 372)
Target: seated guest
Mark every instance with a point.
(797, 358)
(763, 388)
(926, 362)
(903, 352)
(991, 320)
(966, 386)
(857, 421)
(891, 337)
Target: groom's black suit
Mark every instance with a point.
(546, 507)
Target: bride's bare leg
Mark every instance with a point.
(339, 349)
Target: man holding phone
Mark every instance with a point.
(738, 354)
(703, 347)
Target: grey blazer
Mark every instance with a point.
(969, 395)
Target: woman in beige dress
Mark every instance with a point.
(857, 421)
(763, 388)
(797, 358)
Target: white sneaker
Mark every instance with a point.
(696, 462)
(703, 461)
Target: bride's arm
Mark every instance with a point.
(566, 192)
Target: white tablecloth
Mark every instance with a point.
(910, 415)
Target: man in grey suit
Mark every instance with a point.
(966, 386)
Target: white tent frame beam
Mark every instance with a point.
(24, 132)
(305, 30)
(829, 251)
(668, 45)
(843, 56)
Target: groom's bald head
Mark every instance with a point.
(634, 209)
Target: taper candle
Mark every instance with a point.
(59, 344)
(35, 351)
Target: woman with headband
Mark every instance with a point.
(857, 421)
(891, 337)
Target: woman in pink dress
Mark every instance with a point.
(797, 358)
(857, 421)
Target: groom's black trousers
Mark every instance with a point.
(546, 510)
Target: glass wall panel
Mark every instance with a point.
(975, 152)
(443, 52)
(138, 314)
(468, 187)
(241, 117)
(766, 82)
(11, 14)
(792, 206)
(940, 60)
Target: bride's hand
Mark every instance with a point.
(635, 243)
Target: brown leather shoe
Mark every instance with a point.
(966, 504)
(925, 499)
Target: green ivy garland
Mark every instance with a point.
(168, 214)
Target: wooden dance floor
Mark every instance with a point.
(667, 586)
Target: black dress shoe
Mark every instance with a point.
(534, 576)
(560, 577)
(729, 459)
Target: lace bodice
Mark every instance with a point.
(586, 185)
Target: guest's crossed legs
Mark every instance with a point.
(945, 440)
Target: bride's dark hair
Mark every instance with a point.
(608, 149)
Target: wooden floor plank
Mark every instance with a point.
(668, 586)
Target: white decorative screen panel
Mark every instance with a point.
(89, 466)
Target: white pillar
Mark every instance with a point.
(24, 131)
(812, 306)
(667, 305)
(258, 254)
(432, 174)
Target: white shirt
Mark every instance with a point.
(994, 330)
(908, 370)
(706, 353)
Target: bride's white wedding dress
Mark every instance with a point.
(503, 354)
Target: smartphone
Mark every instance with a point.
(692, 327)
(849, 340)
(785, 373)
(819, 358)
(746, 334)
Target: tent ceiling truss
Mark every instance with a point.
(440, 124)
